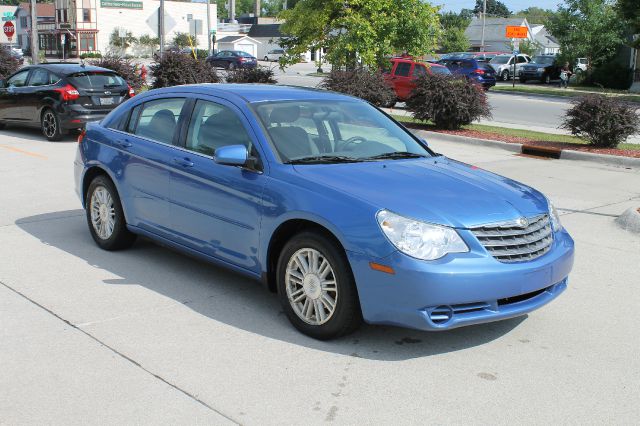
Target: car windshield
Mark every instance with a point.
(543, 60)
(335, 131)
(96, 80)
(440, 70)
(500, 60)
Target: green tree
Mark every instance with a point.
(587, 28)
(494, 8)
(629, 12)
(359, 31)
(149, 42)
(182, 40)
(535, 15)
(453, 38)
(242, 6)
(121, 42)
(272, 7)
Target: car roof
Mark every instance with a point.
(68, 68)
(254, 92)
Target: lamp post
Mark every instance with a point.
(209, 26)
(161, 27)
(35, 45)
(484, 19)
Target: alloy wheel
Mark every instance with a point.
(311, 286)
(49, 124)
(103, 213)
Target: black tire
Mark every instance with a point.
(505, 75)
(347, 316)
(121, 237)
(523, 80)
(50, 125)
(390, 104)
(2, 126)
(231, 66)
(266, 59)
(546, 79)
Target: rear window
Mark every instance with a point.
(96, 80)
(440, 70)
(245, 54)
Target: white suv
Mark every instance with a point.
(503, 64)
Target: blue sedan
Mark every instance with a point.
(327, 201)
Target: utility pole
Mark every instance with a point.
(232, 12)
(209, 47)
(484, 19)
(160, 27)
(34, 34)
(256, 10)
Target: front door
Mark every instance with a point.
(216, 209)
(402, 79)
(11, 105)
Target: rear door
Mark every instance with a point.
(99, 90)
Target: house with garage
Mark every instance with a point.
(495, 39)
(239, 42)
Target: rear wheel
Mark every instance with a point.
(50, 125)
(316, 287)
(105, 216)
(266, 59)
(231, 66)
(523, 80)
(505, 75)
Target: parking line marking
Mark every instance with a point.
(22, 151)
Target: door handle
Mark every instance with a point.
(184, 162)
(123, 144)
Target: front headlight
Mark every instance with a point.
(419, 239)
(554, 216)
(540, 69)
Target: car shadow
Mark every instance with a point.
(34, 134)
(233, 299)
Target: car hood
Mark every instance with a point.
(437, 190)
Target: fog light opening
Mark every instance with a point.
(441, 315)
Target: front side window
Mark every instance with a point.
(213, 126)
(351, 130)
(18, 80)
(157, 119)
(419, 70)
(402, 69)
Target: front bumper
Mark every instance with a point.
(459, 289)
(531, 75)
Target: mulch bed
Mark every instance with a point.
(528, 141)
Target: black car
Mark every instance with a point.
(543, 68)
(231, 59)
(61, 96)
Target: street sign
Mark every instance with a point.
(513, 31)
(9, 29)
(8, 16)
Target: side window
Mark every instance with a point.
(522, 60)
(39, 77)
(18, 80)
(402, 69)
(467, 65)
(157, 119)
(213, 126)
(419, 70)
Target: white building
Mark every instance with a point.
(83, 26)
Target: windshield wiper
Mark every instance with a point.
(319, 159)
(395, 155)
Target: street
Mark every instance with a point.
(149, 335)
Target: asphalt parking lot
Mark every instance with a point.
(150, 336)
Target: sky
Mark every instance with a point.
(513, 5)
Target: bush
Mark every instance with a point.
(251, 75)
(8, 64)
(178, 68)
(361, 83)
(449, 102)
(123, 66)
(611, 75)
(90, 55)
(603, 121)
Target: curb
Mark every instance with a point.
(630, 220)
(565, 154)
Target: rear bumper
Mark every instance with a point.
(74, 117)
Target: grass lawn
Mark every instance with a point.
(570, 92)
(526, 134)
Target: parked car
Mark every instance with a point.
(544, 68)
(327, 201)
(503, 65)
(582, 64)
(231, 59)
(476, 71)
(274, 55)
(58, 97)
(403, 72)
(14, 52)
(481, 56)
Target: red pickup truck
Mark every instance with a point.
(404, 71)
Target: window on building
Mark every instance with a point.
(64, 16)
(87, 42)
(86, 15)
(23, 22)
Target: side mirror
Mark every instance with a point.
(424, 141)
(231, 155)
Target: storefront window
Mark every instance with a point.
(87, 42)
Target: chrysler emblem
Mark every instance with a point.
(522, 222)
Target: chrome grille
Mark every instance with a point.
(509, 242)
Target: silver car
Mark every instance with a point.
(503, 64)
(274, 55)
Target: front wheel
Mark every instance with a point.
(316, 287)
(547, 79)
(231, 66)
(105, 216)
(266, 59)
(523, 80)
(505, 75)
